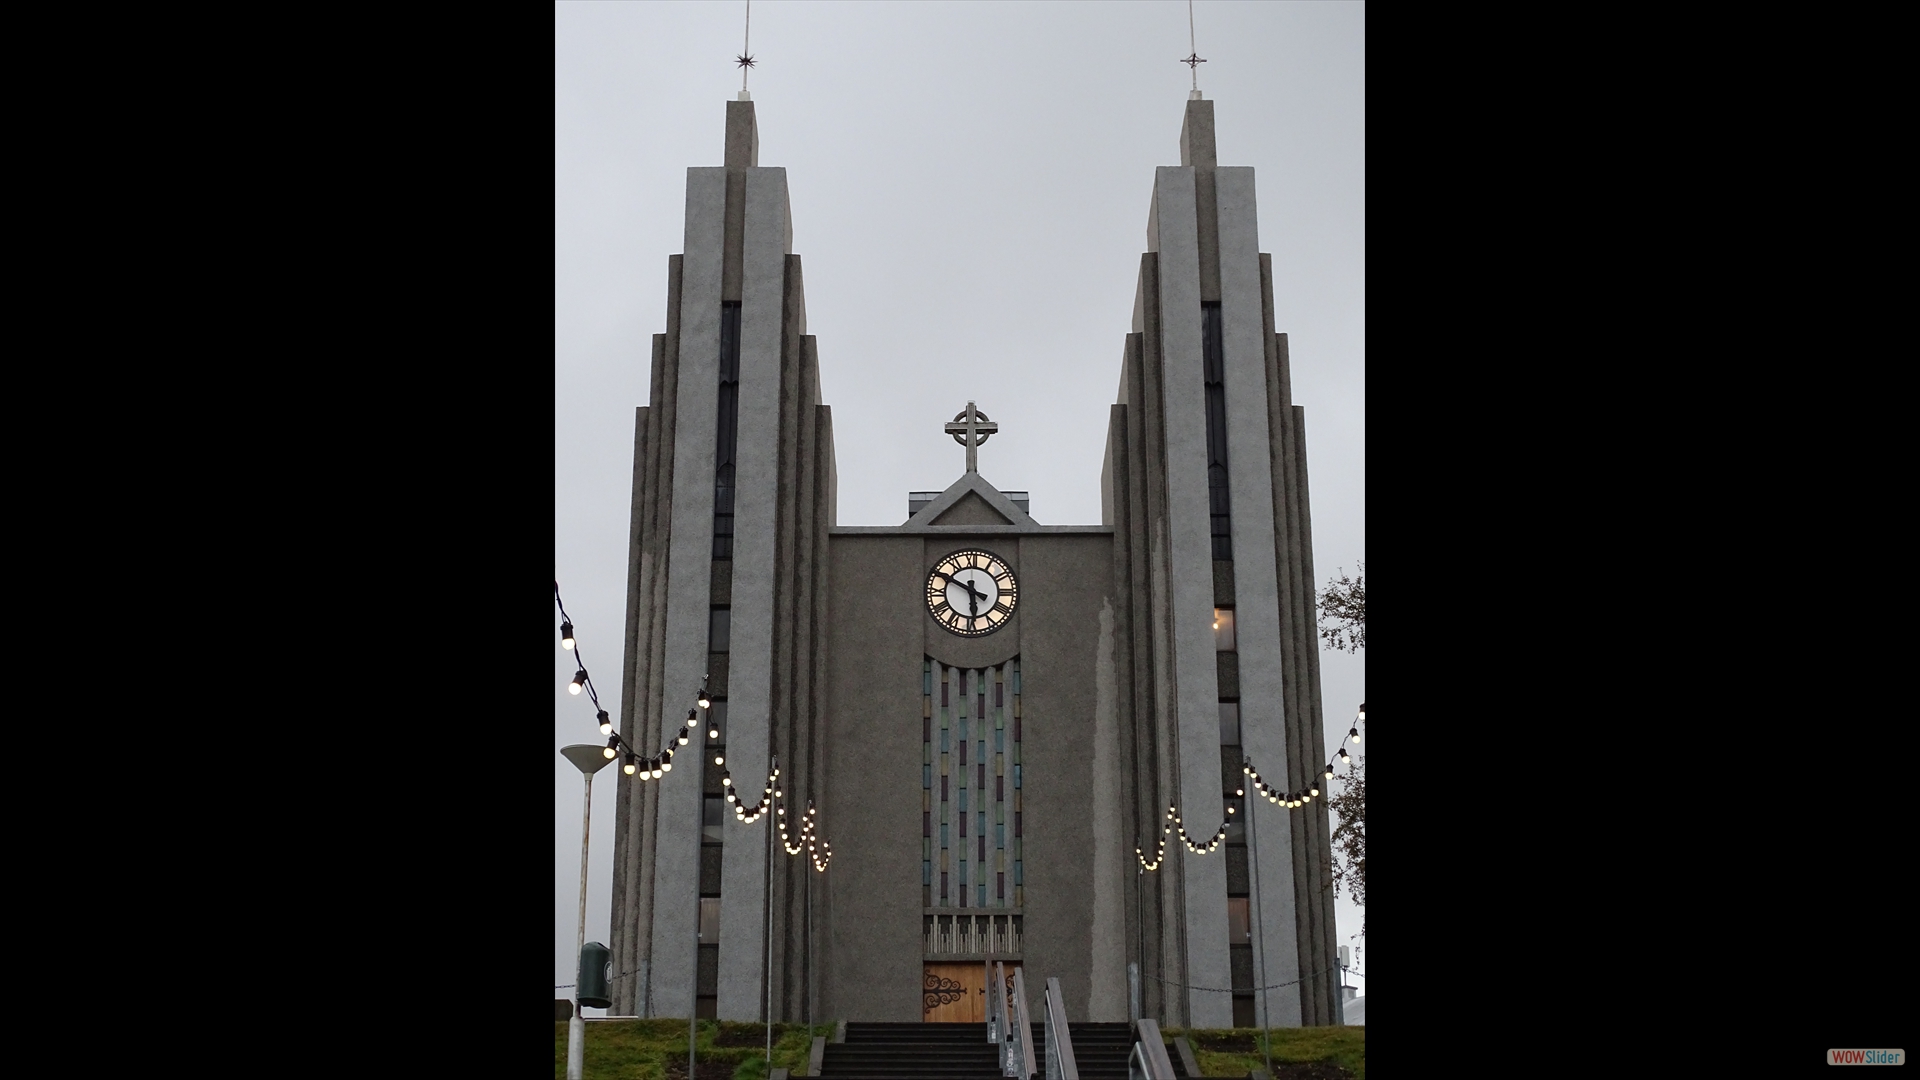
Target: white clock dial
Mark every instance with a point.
(971, 593)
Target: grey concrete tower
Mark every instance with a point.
(1205, 487)
(733, 491)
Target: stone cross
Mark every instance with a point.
(970, 428)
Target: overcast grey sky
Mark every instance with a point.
(970, 184)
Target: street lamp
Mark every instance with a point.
(589, 759)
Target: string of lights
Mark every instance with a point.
(658, 765)
(1294, 799)
(818, 849)
(1289, 799)
(1174, 824)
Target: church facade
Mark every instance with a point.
(1025, 743)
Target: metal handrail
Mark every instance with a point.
(996, 1001)
(1019, 1059)
(1152, 1051)
(1060, 1063)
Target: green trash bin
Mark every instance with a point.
(596, 971)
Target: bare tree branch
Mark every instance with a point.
(1343, 603)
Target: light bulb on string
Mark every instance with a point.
(703, 700)
(613, 747)
(606, 723)
(1343, 754)
(693, 718)
(579, 681)
(1354, 734)
(683, 738)
(628, 767)
(1363, 711)
(566, 636)
(1329, 770)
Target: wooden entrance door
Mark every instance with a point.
(954, 994)
(957, 993)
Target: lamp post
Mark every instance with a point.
(588, 759)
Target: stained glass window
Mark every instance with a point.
(978, 706)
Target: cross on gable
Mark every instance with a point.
(970, 428)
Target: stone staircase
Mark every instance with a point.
(961, 1052)
(920, 1051)
(1100, 1050)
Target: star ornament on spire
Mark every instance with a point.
(743, 61)
(1192, 60)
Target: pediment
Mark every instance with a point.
(972, 502)
(972, 510)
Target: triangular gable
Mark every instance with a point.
(972, 485)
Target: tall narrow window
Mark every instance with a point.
(727, 430)
(1213, 346)
(981, 707)
(1229, 724)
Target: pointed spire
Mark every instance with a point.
(1196, 135)
(743, 136)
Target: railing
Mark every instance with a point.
(997, 1002)
(1018, 1059)
(1149, 1059)
(972, 935)
(1060, 1063)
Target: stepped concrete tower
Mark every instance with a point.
(991, 716)
(733, 494)
(1205, 486)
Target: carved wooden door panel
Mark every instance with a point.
(954, 994)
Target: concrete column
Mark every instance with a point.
(1112, 879)
(1189, 556)
(689, 576)
(763, 287)
(1258, 631)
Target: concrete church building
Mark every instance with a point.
(990, 716)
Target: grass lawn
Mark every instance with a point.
(657, 1049)
(1234, 1052)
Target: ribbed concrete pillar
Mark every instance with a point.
(743, 917)
(689, 577)
(1189, 545)
(1258, 631)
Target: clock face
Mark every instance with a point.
(971, 593)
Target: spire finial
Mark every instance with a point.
(970, 429)
(1193, 60)
(745, 59)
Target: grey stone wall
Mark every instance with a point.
(1075, 864)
